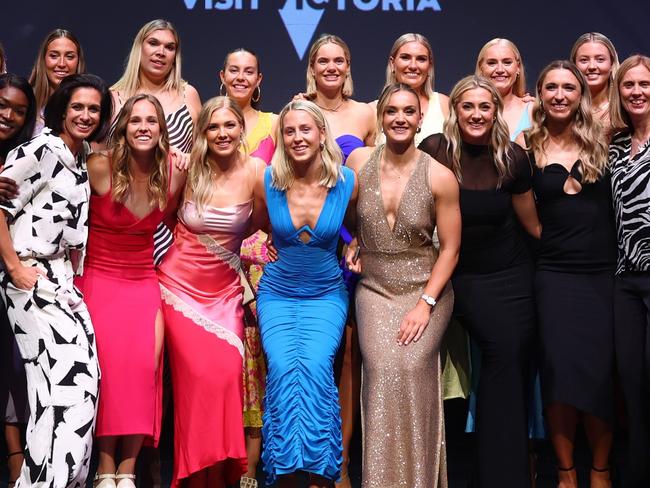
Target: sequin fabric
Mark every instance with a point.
(402, 409)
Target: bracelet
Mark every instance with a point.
(428, 299)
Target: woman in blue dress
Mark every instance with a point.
(302, 301)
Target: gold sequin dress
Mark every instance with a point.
(402, 408)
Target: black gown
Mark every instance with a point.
(493, 284)
(574, 288)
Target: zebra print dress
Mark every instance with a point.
(631, 194)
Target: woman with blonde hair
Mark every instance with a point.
(629, 159)
(493, 279)
(302, 300)
(60, 55)
(135, 186)
(499, 61)
(596, 58)
(574, 279)
(411, 62)
(202, 301)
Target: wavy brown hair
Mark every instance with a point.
(499, 135)
(121, 156)
(587, 133)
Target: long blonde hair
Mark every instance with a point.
(620, 118)
(38, 77)
(399, 42)
(587, 132)
(499, 135)
(199, 178)
(129, 83)
(519, 86)
(158, 183)
(599, 38)
(348, 86)
(282, 172)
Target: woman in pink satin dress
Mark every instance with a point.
(202, 301)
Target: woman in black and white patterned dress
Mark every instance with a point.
(41, 241)
(629, 157)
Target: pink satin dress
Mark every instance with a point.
(121, 291)
(204, 331)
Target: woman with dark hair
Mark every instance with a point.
(574, 279)
(596, 58)
(404, 287)
(41, 244)
(493, 282)
(202, 301)
(629, 159)
(17, 119)
(134, 187)
(240, 79)
(60, 55)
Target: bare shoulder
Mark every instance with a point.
(444, 104)
(357, 158)
(441, 177)
(99, 162)
(193, 100)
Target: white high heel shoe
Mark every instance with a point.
(105, 480)
(125, 480)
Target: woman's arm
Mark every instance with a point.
(23, 277)
(524, 206)
(446, 195)
(260, 220)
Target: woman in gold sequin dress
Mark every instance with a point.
(404, 299)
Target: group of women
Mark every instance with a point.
(208, 234)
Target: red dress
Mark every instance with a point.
(120, 288)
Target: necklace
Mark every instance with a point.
(327, 109)
(396, 173)
(640, 144)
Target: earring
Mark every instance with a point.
(259, 94)
(221, 90)
(418, 130)
(322, 146)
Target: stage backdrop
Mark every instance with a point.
(280, 31)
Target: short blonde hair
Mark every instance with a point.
(129, 84)
(621, 120)
(519, 86)
(399, 42)
(348, 86)
(282, 168)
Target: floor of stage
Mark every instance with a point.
(459, 454)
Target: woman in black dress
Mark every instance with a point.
(493, 280)
(629, 158)
(574, 281)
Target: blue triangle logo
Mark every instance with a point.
(300, 24)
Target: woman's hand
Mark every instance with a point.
(299, 96)
(352, 258)
(414, 323)
(25, 277)
(181, 159)
(8, 188)
(271, 251)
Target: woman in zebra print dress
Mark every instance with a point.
(629, 157)
(154, 67)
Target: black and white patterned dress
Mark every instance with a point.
(48, 223)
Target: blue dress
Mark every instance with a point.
(302, 306)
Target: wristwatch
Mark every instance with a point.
(429, 300)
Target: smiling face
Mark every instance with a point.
(560, 94)
(301, 136)
(411, 64)
(401, 117)
(634, 90)
(81, 116)
(476, 112)
(143, 127)
(13, 111)
(241, 76)
(595, 62)
(158, 54)
(500, 65)
(61, 60)
(330, 67)
(223, 134)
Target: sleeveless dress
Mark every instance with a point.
(302, 305)
(254, 256)
(204, 329)
(403, 416)
(119, 265)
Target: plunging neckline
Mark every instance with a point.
(306, 227)
(133, 214)
(398, 211)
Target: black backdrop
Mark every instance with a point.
(543, 30)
